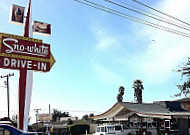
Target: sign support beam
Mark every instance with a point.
(22, 79)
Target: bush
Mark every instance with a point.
(79, 129)
(69, 122)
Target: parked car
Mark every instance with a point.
(10, 130)
(111, 129)
(105, 130)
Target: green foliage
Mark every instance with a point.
(138, 88)
(69, 122)
(79, 129)
(91, 115)
(58, 114)
(121, 93)
(85, 117)
(161, 132)
(185, 87)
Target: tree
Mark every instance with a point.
(121, 93)
(185, 87)
(65, 114)
(58, 114)
(91, 115)
(85, 117)
(138, 88)
(69, 122)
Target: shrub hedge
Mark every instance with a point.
(79, 129)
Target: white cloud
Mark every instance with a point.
(163, 52)
(108, 76)
(106, 42)
(105, 39)
(176, 8)
(167, 51)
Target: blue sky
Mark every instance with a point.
(97, 52)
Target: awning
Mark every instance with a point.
(153, 116)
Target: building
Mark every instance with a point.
(171, 117)
(67, 118)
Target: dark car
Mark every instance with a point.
(10, 130)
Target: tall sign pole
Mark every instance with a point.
(25, 54)
(25, 81)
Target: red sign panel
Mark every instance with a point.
(17, 63)
(12, 45)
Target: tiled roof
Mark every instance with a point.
(162, 107)
(156, 109)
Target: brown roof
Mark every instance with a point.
(183, 100)
(162, 108)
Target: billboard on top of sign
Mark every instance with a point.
(17, 14)
(41, 28)
(44, 117)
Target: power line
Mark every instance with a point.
(80, 111)
(42, 110)
(160, 12)
(106, 9)
(152, 13)
(147, 15)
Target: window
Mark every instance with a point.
(98, 129)
(149, 125)
(154, 124)
(131, 124)
(110, 129)
(102, 129)
(135, 125)
(126, 126)
(144, 124)
(174, 124)
(118, 128)
(167, 123)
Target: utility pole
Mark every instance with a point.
(36, 110)
(7, 84)
(49, 109)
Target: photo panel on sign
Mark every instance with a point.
(41, 28)
(17, 14)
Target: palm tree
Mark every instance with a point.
(138, 88)
(121, 93)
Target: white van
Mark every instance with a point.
(109, 129)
